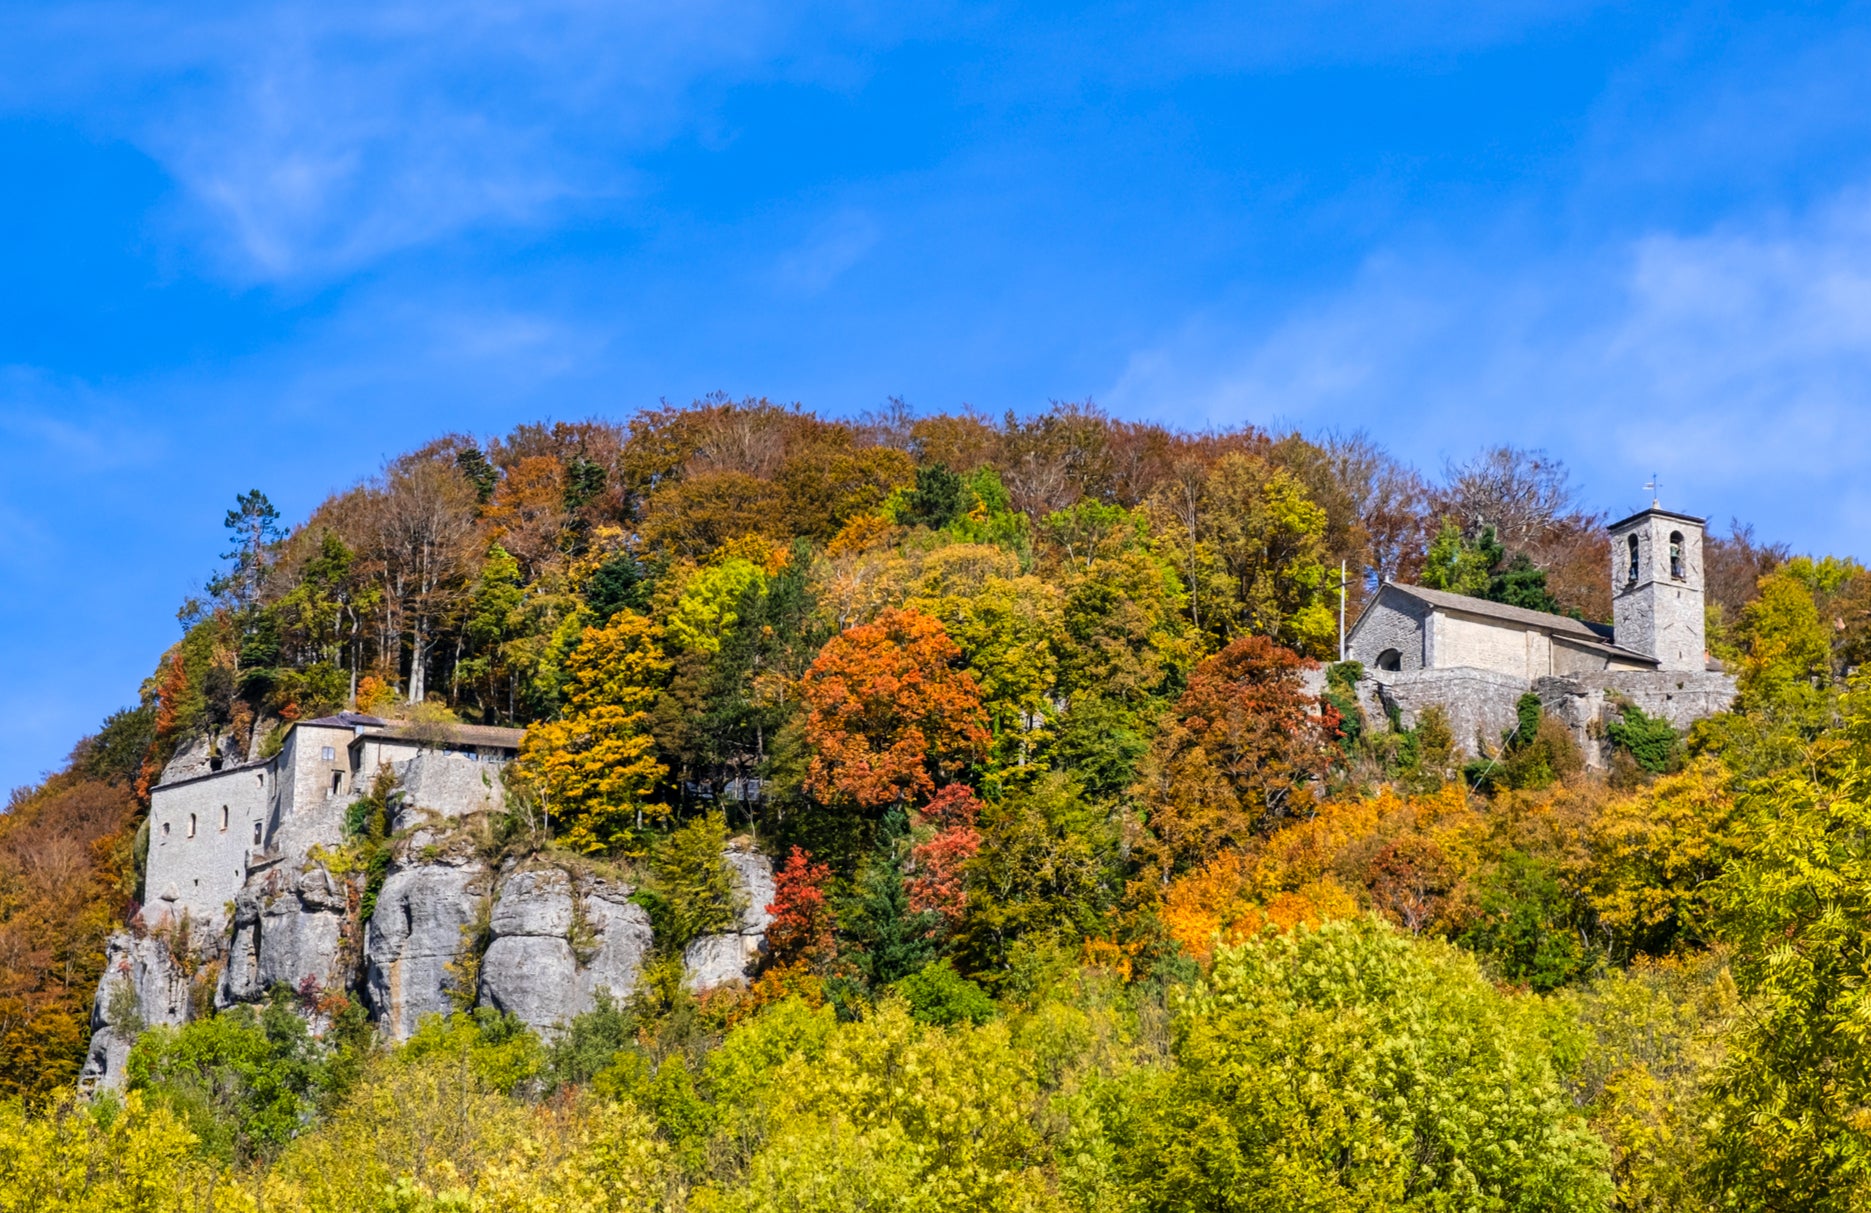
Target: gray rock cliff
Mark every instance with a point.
(558, 941)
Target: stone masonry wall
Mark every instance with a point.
(1480, 703)
(1389, 624)
(200, 835)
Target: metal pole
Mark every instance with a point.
(1341, 610)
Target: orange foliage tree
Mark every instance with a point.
(1244, 746)
(66, 873)
(890, 713)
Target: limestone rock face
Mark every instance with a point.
(288, 929)
(142, 987)
(547, 963)
(418, 931)
(719, 960)
(446, 785)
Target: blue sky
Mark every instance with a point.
(269, 245)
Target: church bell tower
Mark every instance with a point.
(1656, 587)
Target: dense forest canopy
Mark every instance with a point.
(1084, 898)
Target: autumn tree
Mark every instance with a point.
(939, 863)
(67, 876)
(1251, 547)
(595, 768)
(803, 920)
(1353, 1067)
(1243, 748)
(890, 715)
(421, 520)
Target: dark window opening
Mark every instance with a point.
(1633, 576)
(1390, 659)
(337, 782)
(1676, 555)
(191, 825)
(224, 817)
(256, 833)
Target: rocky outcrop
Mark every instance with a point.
(142, 987)
(730, 957)
(414, 944)
(288, 929)
(558, 941)
(440, 784)
(538, 940)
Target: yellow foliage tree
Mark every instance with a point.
(595, 767)
(1657, 853)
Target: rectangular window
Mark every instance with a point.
(330, 755)
(256, 833)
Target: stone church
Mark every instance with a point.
(1477, 658)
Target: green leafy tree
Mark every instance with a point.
(1523, 923)
(1352, 1067)
(246, 1083)
(1456, 565)
(1792, 1131)
(938, 995)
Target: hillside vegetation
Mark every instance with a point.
(1084, 899)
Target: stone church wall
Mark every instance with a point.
(1388, 625)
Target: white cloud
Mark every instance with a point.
(1736, 362)
(838, 243)
(313, 139)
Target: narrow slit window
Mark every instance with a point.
(165, 829)
(191, 825)
(224, 816)
(1676, 555)
(1633, 572)
(256, 833)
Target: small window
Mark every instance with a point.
(224, 817)
(256, 833)
(1633, 573)
(165, 829)
(1676, 555)
(330, 754)
(337, 782)
(262, 778)
(191, 825)
(1390, 659)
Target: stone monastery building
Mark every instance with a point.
(210, 831)
(1476, 658)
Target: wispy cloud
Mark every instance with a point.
(838, 243)
(312, 139)
(1736, 361)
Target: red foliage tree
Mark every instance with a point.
(890, 713)
(802, 917)
(1243, 747)
(937, 879)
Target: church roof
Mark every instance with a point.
(1574, 631)
(1660, 512)
(486, 735)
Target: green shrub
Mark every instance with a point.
(940, 996)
